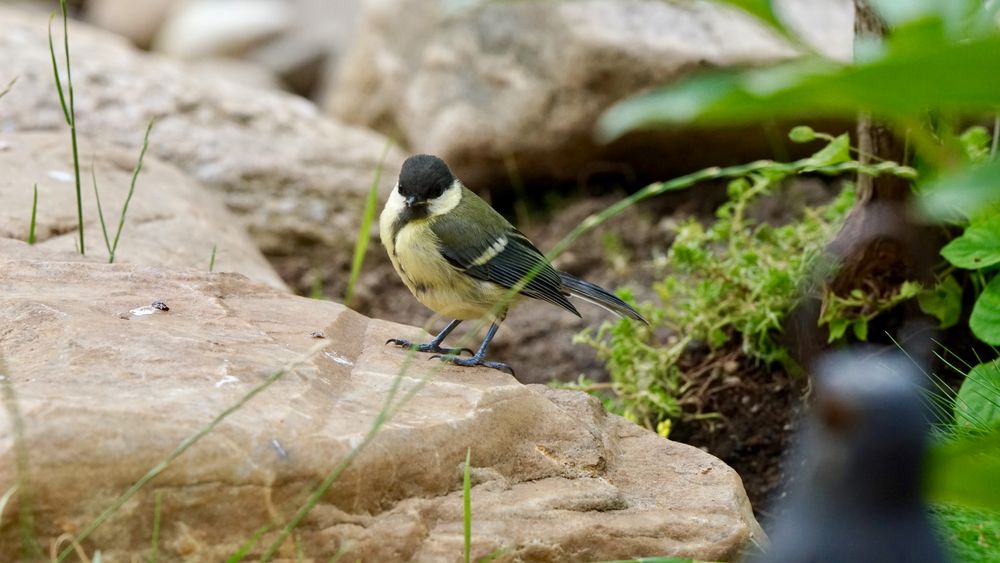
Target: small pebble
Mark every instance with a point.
(160, 306)
(317, 334)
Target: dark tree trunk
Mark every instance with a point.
(878, 247)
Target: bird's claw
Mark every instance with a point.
(474, 361)
(429, 347)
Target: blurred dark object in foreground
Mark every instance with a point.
(861, 456)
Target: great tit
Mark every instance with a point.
(460, 258)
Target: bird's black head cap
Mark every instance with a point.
(424, 177)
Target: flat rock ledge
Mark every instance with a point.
(105, 392)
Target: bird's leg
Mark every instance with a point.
(478, 358)
(435, 344)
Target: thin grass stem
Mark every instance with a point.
(367, 219)
(34, 216)
(467, 505)
(155, 541)
(22, 484)
(211, 261)
(100, 210)
(131, 190)
(8, 87)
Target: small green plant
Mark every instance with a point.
(731, 284)
(211, 260)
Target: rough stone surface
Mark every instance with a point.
(296, 179)
(218, 28)
(103, 399)
(172, 221)
(527, 80)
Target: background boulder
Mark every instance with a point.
(521, 84)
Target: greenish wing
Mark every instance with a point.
(463, 243)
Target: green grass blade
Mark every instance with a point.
(5, 499)
(100, 211)
(185, 444)
(155, 541)
(25, 511)
(367, 219)
(467, 505)
(211, 261)
(248, 545)
(34, 215)
(131, 188)
(55, 73)
(9, 86)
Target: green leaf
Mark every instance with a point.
(956, 77)
(762, 10)
(836, 152)
(964, 193)
(943, 302)
(985, 319)
(860, 328)
(978, 403)
(978, 247)
(975, 142)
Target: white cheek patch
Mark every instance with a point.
(491, 252)
(447, 201)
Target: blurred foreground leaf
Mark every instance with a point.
(965, 471)
(907, 81)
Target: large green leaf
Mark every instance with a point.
(985, 319)
(963, 194)
(943, 302)
(905, 82)
(978, 403)
(978, 247)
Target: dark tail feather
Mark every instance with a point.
(598, 296)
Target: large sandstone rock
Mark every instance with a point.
(172, 221)
(105, 395)
(527, 80)
(296, 179)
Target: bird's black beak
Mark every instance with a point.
(411, 201)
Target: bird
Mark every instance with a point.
(858, 496)
(461, 258)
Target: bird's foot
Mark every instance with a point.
(428, 347)
(474, 361)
